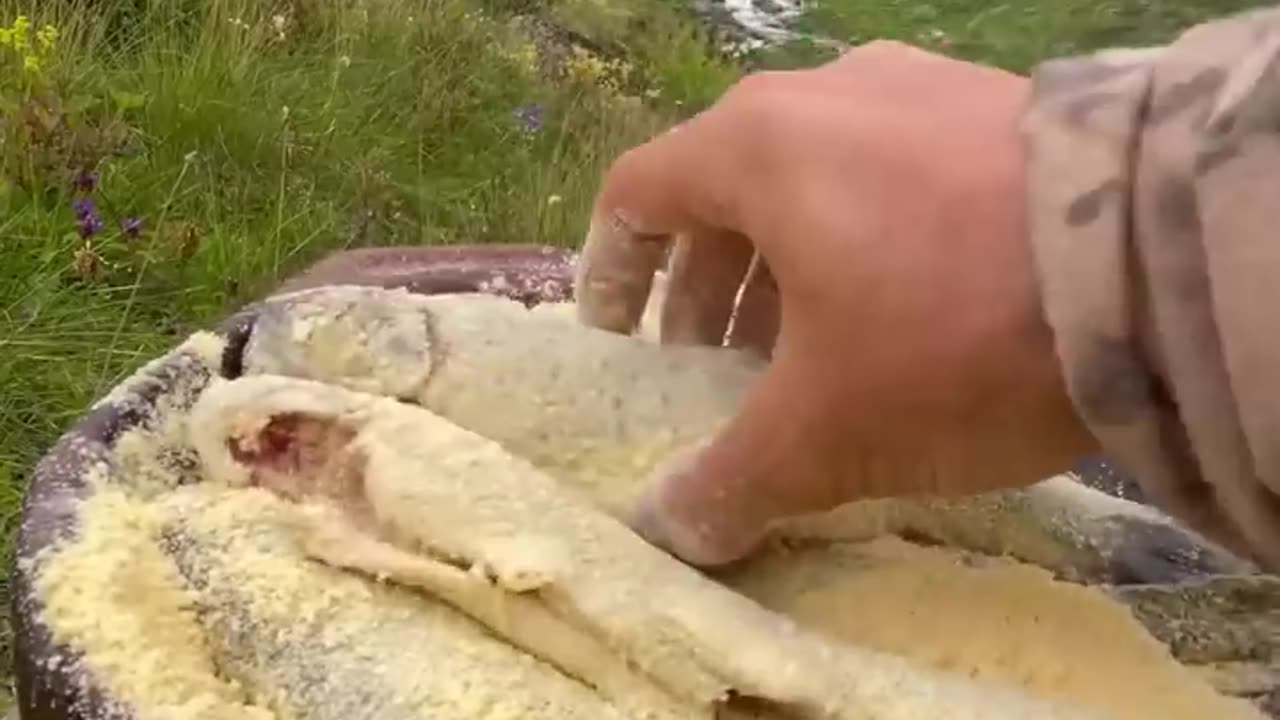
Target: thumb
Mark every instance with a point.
(714, 505)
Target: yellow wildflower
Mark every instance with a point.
(6, 37)
(19, 32)
(47, 37)
(31, 63)
(587, 68)
(525, 57)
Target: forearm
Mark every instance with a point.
(1151, 229)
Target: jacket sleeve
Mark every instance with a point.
(1154, 218)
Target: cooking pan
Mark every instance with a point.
(1200, 603)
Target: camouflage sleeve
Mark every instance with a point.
(1153, 194)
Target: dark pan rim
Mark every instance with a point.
(50, 685)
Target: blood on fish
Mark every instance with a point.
(297, 455)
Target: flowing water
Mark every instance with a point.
(756, 22)
(750, 25)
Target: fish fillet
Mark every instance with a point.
(432, 488)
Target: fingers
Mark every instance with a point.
(705, 275)
(615, 274)
(714, 504)
(672, 185)
(758, 315)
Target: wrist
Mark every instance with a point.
(1069, 437)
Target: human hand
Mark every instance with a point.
(884, 195)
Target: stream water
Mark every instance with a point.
(755, 22)
(747, 25)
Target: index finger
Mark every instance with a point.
(676, 183)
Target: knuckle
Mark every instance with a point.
(625, 176)
(756, 88)
(882, 54)
(628, 160)
(889, 49)
(755, 106)
(888, 45)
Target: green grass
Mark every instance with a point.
(250, 146)
(1014, 36)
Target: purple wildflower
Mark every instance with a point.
(89, 226)
(87, 220)
(85, 180)
(131, 227)
(530, 117)
(84, 207)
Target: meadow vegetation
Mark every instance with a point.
(162, 163)
(1017, 35)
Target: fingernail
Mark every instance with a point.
(653, 522)
(703, 542)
